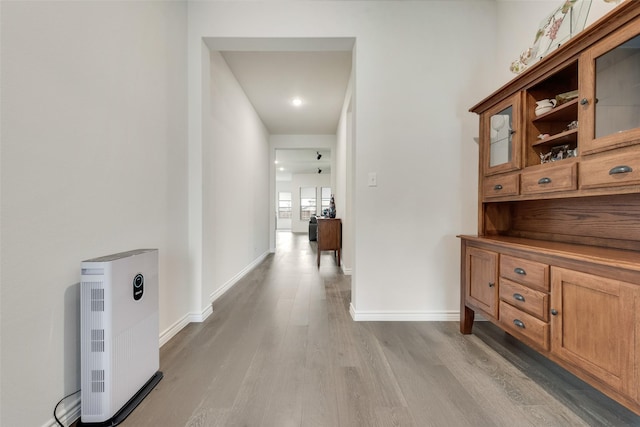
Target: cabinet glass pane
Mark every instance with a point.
(501, 137)
(618, 89)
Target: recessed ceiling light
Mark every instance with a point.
(296, 102)
(276, 162)
(281, 169)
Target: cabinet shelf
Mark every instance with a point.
(569, 136)
(614, 258)
(565, 112)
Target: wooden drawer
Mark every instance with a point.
(610, 170)
(501, 185)
(524, 298)
(547, 179)
(525, 272)
(520, 323)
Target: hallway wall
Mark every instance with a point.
(94, 162)
(235, 184)
(344, 171)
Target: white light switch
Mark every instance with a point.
(373, 179)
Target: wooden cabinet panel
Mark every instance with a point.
(329, 237)
(501, 185)
(548, 179)
(482, 280)
(526, 299)
(522, 324)
(587, 323)
(611, 169)
(593, 326)
(526, 272)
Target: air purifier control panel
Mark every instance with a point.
(138, 286)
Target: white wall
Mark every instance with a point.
(343, 174)
(298, 181)
(235, 164)
(517, 24)
(94, 161)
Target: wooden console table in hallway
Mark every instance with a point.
(329, 236)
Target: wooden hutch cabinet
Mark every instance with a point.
(556, 261)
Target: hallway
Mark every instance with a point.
(281, 349)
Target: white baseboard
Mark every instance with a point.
(225, 287)
(346, 271)
(403, 316)
(67, 414)
(173, 330)
(169, 333)
(202, 316)
(208, 310)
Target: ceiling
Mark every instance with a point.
(300, 161)
(273, 71)
(271, 79)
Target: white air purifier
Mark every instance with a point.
(120, 352)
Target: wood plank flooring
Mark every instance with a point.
(281, 349)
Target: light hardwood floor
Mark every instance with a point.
(281, 349)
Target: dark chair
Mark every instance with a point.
(313, 229)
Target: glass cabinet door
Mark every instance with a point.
(500, 137)
(501, 147)
(609, 112)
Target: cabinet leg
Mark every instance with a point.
(466, 320)
(318, 258)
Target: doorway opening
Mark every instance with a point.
(300, 89)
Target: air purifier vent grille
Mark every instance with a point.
(97, 381)
(97, 340)
(97, 297)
